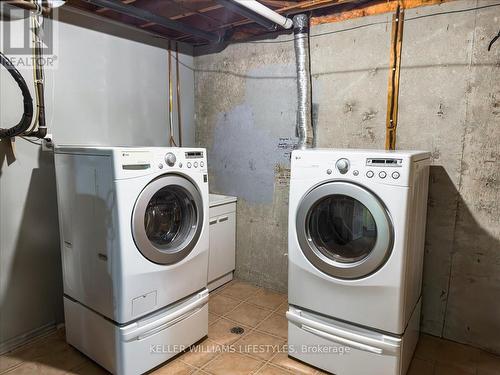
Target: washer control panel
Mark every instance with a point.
(180, 159)
(342, 165)
(170, 159)
(134, 161)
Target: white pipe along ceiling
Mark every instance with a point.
(266, 12)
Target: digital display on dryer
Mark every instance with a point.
(194, 155)
(384, 162)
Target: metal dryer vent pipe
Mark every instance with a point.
(304, 118)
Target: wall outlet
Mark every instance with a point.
(48, 143)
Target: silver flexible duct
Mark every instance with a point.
(301, 42)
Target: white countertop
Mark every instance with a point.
(217, 199)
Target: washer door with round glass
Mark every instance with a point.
(167, 219)
(344, 230)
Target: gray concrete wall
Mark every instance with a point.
(456, 80)
(245, 114)
(107, 90)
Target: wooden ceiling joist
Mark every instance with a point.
(149, 17)
(212, 18)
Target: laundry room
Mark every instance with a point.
(250, 187)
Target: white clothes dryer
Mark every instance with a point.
(356, 240)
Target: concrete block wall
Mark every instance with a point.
(245, 101)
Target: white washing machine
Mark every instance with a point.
(134, 242)
(356, 241)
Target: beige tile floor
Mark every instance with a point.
(261, 313)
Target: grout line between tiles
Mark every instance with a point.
(10, 369)
(256, 329)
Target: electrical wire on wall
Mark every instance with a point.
(177, 75)
(171, 139)
(39, 128)
(26, 127)
(25, 122)
(493, 41)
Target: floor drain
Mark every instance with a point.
(237, 330)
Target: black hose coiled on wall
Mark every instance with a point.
(25, 121)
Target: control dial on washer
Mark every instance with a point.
(342, 165)
(170, 159)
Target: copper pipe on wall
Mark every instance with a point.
(26, 5)
(394, 72)
(177, 75)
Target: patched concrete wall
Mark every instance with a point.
(449, 103)
(245, 100)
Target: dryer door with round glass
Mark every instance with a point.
(167, 219)
(344, 230)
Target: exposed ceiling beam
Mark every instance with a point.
(277, 3)
(104, 10)
(147, 16)
(176, 17)
(290, 6)
(296, 8)
(289, 9)
(251, 16)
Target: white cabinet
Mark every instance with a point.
(222, 253)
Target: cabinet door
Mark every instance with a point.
(222, 245)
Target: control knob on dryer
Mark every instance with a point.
(342, 165)
(170, 159)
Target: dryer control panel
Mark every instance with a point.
(386, 170)
(377, 166)
(362, 166)
(384, 162)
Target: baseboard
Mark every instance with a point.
(220, 281)
(16, 342)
